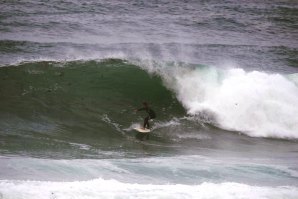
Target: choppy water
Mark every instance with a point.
(221, 75)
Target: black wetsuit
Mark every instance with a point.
(151, 115)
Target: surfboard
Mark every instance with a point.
(141, 130)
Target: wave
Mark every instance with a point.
(78, 94)
(100, 188)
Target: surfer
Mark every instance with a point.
(151, 114)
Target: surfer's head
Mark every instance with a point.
(145, 104)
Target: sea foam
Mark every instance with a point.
(100, 188)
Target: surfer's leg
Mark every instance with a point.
(146, 122)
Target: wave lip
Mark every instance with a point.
(100, 188)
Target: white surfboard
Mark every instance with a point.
(141, 130)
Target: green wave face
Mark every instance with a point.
(89, 101)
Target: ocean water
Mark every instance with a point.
(222, 77)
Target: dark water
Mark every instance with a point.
(221, 75)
